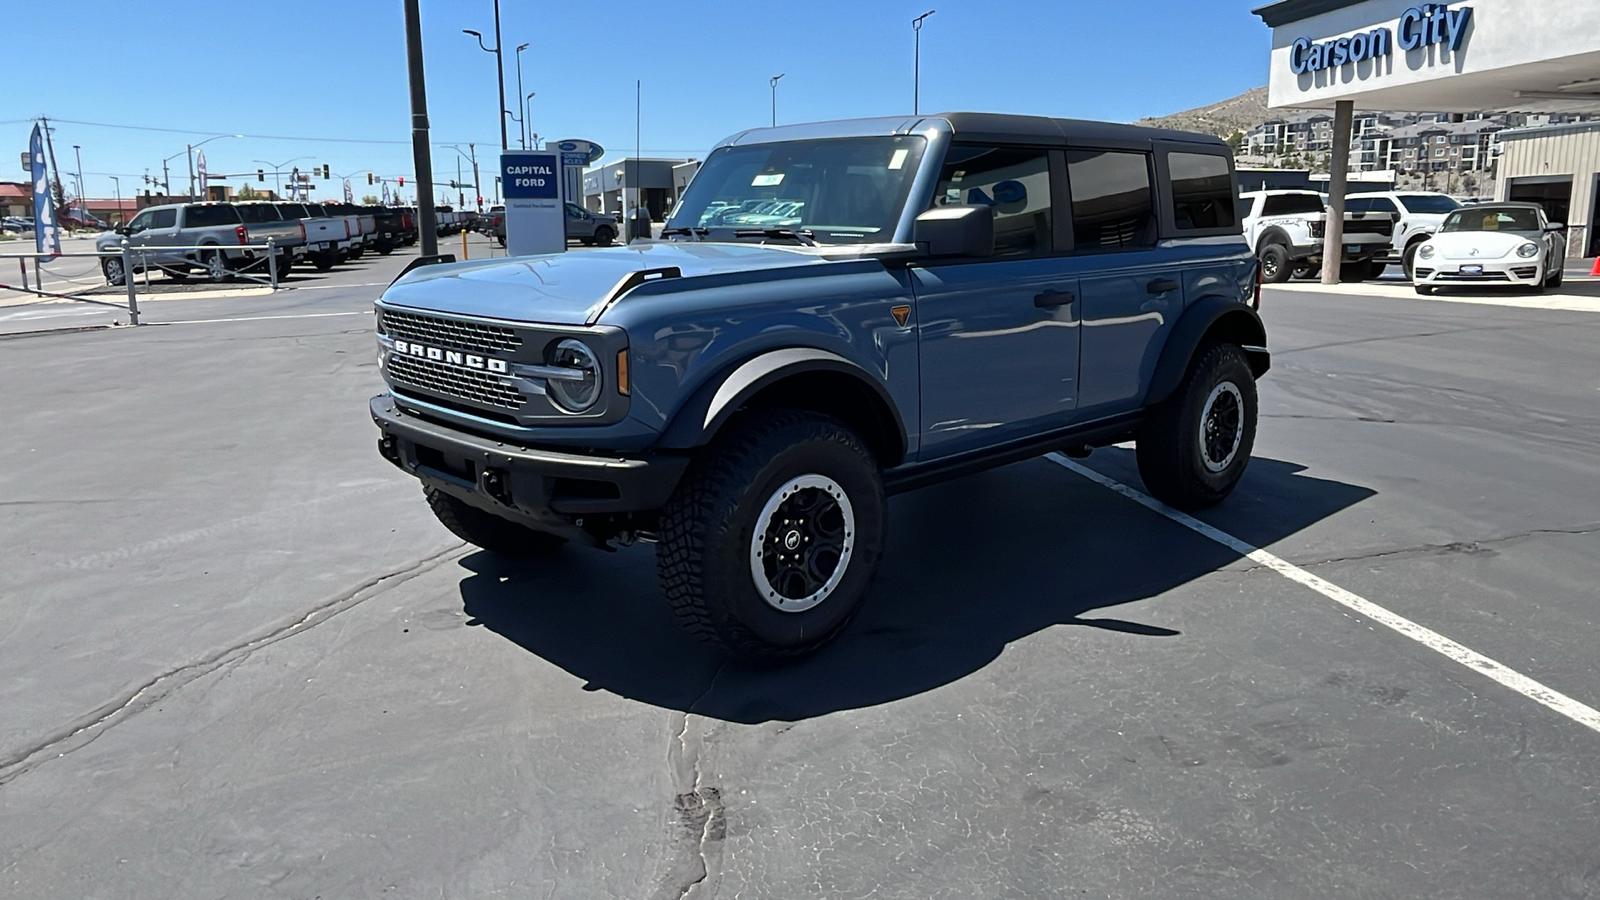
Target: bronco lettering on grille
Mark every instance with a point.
(453, 357)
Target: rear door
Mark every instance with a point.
(1132, 289)
(998, 336)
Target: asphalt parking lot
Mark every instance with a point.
(238, 658)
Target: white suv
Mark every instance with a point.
(1286, 229)
(1420, 215)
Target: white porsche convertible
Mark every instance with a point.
(1493, 245)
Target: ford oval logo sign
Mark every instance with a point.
(568, 146)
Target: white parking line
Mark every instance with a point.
(1578, 712)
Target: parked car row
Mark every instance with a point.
(217, 240)
(583, 226)
(17, 224)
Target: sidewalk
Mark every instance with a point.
(1579, 294)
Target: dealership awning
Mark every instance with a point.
(1400, 55)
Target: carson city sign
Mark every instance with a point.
(1420, 26)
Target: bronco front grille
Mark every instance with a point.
(463, 384)
(474, 336)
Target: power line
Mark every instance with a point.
(259, 137)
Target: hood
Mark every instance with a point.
(1479, 244)
(569, 288)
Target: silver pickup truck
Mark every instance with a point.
(158, 234)
(264, 221)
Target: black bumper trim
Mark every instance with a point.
(543, 488)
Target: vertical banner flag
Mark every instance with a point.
(45, 230)
(386, 193)
(200, 168)
(349, 195)
(294, 183)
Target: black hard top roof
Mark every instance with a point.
(1042, 129)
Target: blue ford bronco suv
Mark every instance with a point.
(834, 313)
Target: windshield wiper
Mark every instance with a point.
(804, 238)
(698, 234)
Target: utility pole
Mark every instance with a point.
(83, 192)
(427, 219)
(190, 154)
(773, 83)
(916, 71)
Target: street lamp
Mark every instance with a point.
(277, 183)
(773, 83)
(523, 121)
(122, 215)
(499, 71)
(83, 202)
(916, 71)
(530, 96)
(477, 190)
(190, 151)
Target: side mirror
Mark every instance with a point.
(955, 231)
(1555, 226)
(124, 229)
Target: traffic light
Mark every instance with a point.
(369, 178)
(402, 181)
(261, 174)
(325, 171)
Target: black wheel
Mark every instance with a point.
(112, 267)
(385, 249)
(1275, 267)
(603, 236)
(770, 542)
(1354, 272)
(1408, 259)
(323, 261)
(285, 265)
(1425, 290)
(356, 252)
(1556, 276)
(501, 238)
(1307, 272)
(490, 532)
(1196, 444)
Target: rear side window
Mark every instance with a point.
(207, 216)
(1112, 207)
(1202, 191)
(1291, 205)
(1014, 182)
(163, 218)
(255, 213)
(292, 210)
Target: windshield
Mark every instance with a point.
(1493, 218)
(1429, 203)
(839, 189)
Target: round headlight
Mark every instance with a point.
(1426, 252)
(578, 393)
(1528, 251)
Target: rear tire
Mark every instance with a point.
(1275, 265)
(487, 531)
(213, 266)
(771, 541)
(323, 261)
(1195, 446)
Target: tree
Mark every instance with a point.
(1235, 141)
(247, 193)
(369, 200)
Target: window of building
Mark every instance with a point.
(1014, 181)
(1112, 205)
(1202, 191)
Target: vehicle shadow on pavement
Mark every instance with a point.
(972, 565)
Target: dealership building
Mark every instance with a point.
(1476, 56)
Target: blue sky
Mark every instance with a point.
(327, 79)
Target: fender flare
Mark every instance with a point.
(711, 405)
(1273, 235)
(1240, 323)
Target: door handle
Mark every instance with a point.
(1161, 286)
(1051, 299)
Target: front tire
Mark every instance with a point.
(487, 531)
(1195, 446)
(603, 236)
(771, 541)
(112, 267)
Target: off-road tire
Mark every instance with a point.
(1171, 453)
(705, 558)
(1275, 265)
(490, 532)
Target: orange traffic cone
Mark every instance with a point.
(1595, 272)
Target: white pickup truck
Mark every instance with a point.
(327, 238)
(1286, 230)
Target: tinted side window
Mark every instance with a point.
(1111, 203)
(163, 218)
(258, 212)
(1291, 205)
(1202, 191)
(1014, 181)
(206, 216)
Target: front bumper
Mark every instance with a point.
(547, 490)
(1505, 272)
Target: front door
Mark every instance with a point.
(999, 336)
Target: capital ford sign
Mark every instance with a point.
(453, 357)
(1419, 27)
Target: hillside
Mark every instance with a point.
(1222, 119)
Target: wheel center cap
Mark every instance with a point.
(791, 541)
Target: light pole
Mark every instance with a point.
(916, 71)
(525, 100)
(122, 216)
(277, 183)
(477, 189)
(499, 71)
(83, 202)
(773, 83)
(523, 121)
(189, 149)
